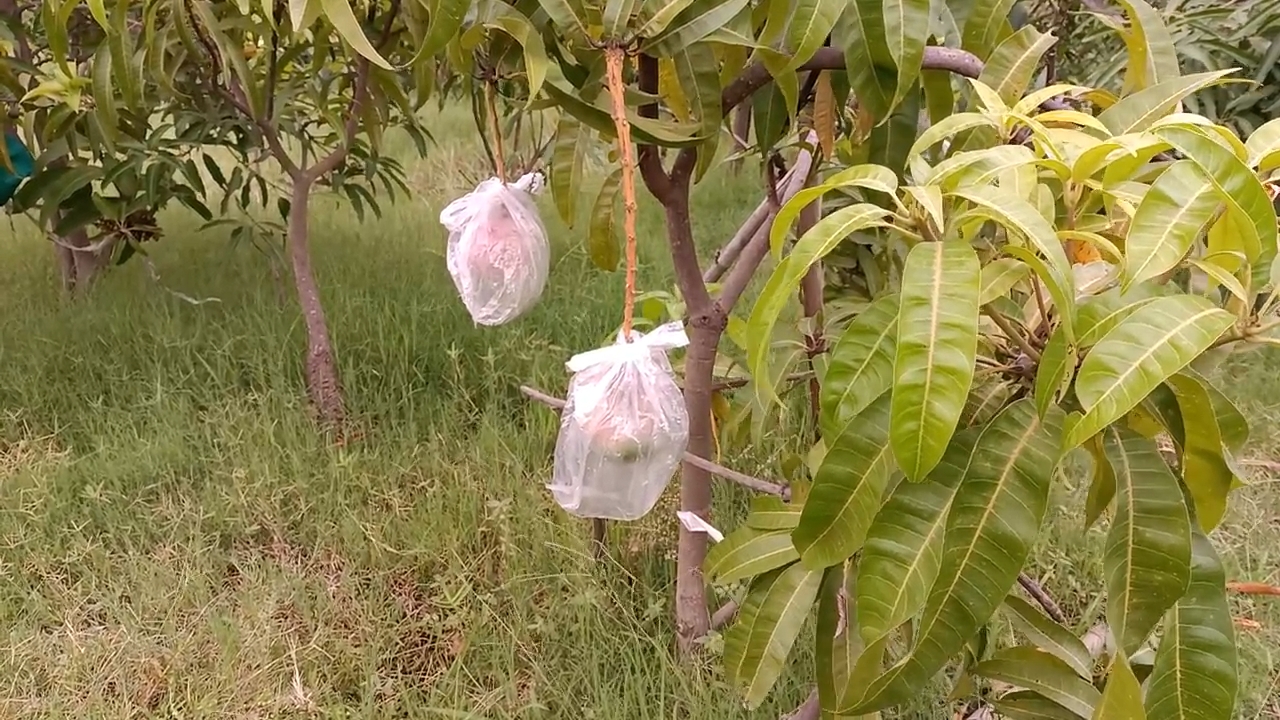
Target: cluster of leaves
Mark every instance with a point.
(1058, 281)
(1206, 35)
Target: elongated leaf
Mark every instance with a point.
(603, 245)
(1027, 667)
(510, 21)
(936, 346)
(770, 113)
(1049, 636)
(1102, 488)
(1057, 366)
(617, 13)
(999, 276)
(903, 551)
(1152, 57)
(1171, 216)
(1100, 314)
(871, 71)
(1157, 340)
(810, 23)
(343, 18)
(567, 158)
(1232, 425)
(696, 67)
(747, 552)
(1122, 699)
(643, 130)
(889, 143)
(1204, 466)
(694, 23)
(659, 14)
(446, 21)
(756, 647)
(1011, 67)
(104, 95)
(1246, 199)
(1195, 671)
(860, 367)
(771, 513)
(906, 30)
(1148, 552)
(567, 15)
(1022, 217)
(994, 518)
(838, 644)
(982, 24)
(847, 489)
(1263, 146)
(870, 177)
(1027, 705)
(821, 239)
(949, 126)
(1138, 111)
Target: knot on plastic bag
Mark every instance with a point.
(460, 213)
(642, 346)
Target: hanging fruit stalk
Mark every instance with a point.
(615, 59)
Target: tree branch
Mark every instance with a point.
(720, 471)
(1038, 594)
(359, 96)
(1012, 333)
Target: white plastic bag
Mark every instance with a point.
(498, 253)
(624, 427)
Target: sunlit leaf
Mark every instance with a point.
(872, 75)
(870, 177)
(747, 552)
(343, 18)
(906, 30)
(1138, 111)
(1057, 366)
(1148, 551)
(1144, 349)
(936, 346)
(693, 23)
(1122, 698)
(1012, 65)
(1204, 466)
(1170, 218)
(1152, 56)
(860, 366)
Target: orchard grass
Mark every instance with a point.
(177, 540)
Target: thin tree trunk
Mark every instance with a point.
(323, 386)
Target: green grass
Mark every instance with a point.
(177, 541)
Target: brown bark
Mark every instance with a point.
(692, 617)
(811, 288)
(323, 386)
(740, 127)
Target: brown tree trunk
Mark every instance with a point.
(321, 364)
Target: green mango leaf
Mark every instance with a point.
(756, 647)
(1205, 470)
(903, 551)
(104, 100)
(1013, 64)
(1041, 672)
(870, 177)
(567, 158)
(1152, 56)
(993, 521)
(838, 645)
(694, 23)
(872, 74)
(1049, 636)
(1142, 351)
(1057, 366)
(1172, 215)
(1246, 199)
(747, 552)
(1137, 112)
(936, 346)
(1027, 705)
(982, 25)
(771, 513)
(696, 68)
(1122, 699)
(656, 19)
(1023, 218)
(1102, 488)
(446, 22)
(1232, 425)
(603, 245)
(1263, 147)
(906, 24)
(939, 96)
(811, 21)
(513, 23)
(644, 131)
(889, 143)
(343, 19)
(781, 287)
(1195, 669)
(567, 15)
(979, 167)
(999, 276)
(949, 126)
(847, 489)
(770, 113)
(1101, 313)
(1148, 552)
(617, 14)
(860, 366)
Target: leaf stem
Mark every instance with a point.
(1007, 328)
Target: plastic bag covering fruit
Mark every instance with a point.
(498, 254)
(624, 427)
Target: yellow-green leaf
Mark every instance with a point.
(1122, 699)
(339, 13)
(1170, 218)
(756, 647)
(602, 236)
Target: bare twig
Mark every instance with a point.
(720, 471)
(1038, 594)
(1010, 332)
(732, 383)
(1253, 588)
(724, 615)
